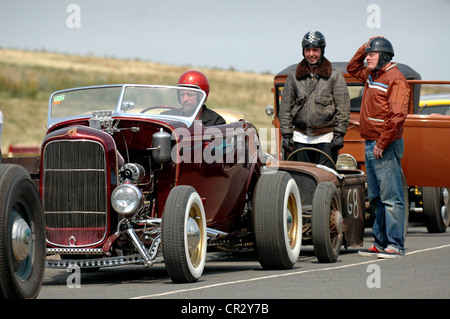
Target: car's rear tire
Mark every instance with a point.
(22, 235)
(277, 221)
(183, 235)
(436, 206)
(327, 223)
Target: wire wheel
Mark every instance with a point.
(327, 222)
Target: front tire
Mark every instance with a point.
(22, 235)
(183, 235)
(277, 221)
(327, 223)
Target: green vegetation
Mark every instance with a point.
(28, 78)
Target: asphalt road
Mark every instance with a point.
(423, 273)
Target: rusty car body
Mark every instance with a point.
(333, 216)
(333, 206)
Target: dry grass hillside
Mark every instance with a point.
(28, 78)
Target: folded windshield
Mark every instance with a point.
(121, 100)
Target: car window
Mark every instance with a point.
(439, 109)
(83, 101)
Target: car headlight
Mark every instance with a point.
(346, 161)
(126, 199)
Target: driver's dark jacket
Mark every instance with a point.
(210, 117)
(315, 104)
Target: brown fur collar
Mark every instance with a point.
(323, 69)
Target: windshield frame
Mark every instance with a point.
(118, 111)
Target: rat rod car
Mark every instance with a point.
(333, 201)
(333, 204)
(128, 175)
(22, 234)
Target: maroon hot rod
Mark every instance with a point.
(128, 175)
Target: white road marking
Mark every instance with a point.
(427, 249)
(281, 275)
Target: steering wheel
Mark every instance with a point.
(328, 158)
(183, 112)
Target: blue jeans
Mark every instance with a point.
(385, 189)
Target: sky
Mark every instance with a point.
(244, 35)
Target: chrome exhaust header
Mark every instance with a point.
(215, 234)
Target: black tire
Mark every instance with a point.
(183, 235)
(436, 208)
(327, 223)
(277, 221)
(22, 235)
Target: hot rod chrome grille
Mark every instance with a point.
(74, 193)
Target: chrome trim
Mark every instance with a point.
(146, 257)
(326, 168)
(97, 262)
(346, 161)
(139, 247)
(76, 251)
(215, 234)
(59, 214)
(22, 239)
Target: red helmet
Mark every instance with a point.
(195, 79)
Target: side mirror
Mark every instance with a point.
(127, 105)
(270, 110)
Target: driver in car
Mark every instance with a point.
(188, 99)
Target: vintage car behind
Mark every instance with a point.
(427, 146)
(128, 175)
(22, 234)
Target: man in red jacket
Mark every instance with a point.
(383, 111)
